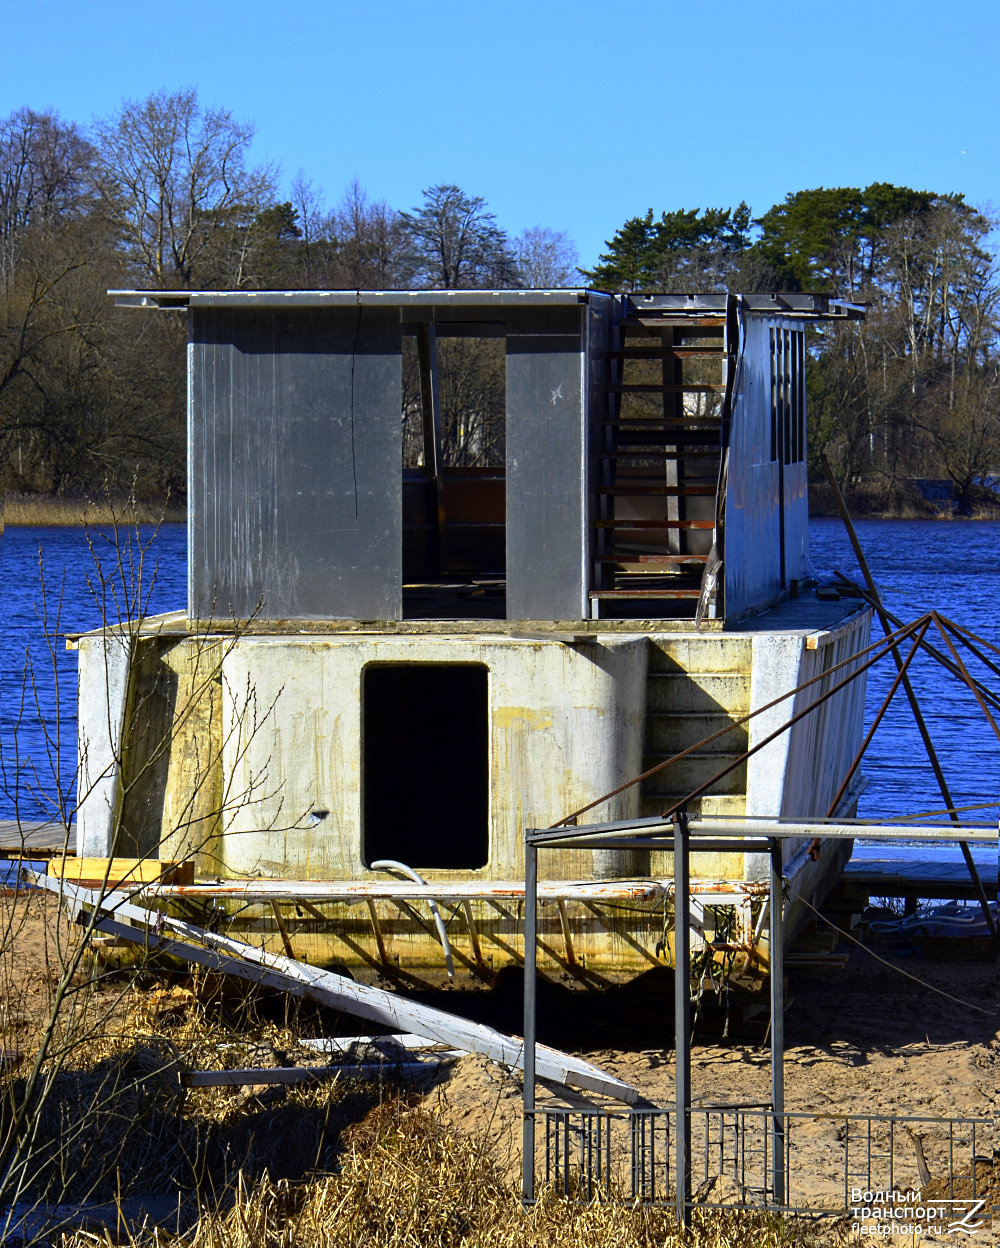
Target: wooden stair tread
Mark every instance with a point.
(674, 320)
(658, 491)
(658, 595)
(655, 524)
(658, 424)
(645, 387)
(656, 452)
(624, 557)
(664, 351)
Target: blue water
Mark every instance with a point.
(56, 581)
(919, 565)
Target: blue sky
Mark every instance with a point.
(574, 116)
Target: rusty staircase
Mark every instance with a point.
(658, 464)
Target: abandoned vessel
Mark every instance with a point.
(408, 638)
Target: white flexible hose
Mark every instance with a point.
(390, 864)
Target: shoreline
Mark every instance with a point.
(31, 511)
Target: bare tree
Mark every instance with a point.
(367, 235)
(44, 170)
(176, 182)
(546, 259)
(454, 241)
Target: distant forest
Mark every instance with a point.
(163, 195)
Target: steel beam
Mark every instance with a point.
(777, 956)
(528, 1026)
(682, 1022)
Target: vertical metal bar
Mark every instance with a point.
(431, 409)
(682, 1017)
(892, 1155)
(847, 1166)
(528, 1026)
(634, 1132)
(777, 939)
(788, 1163)
(951, 1162)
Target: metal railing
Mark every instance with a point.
(830, 1160)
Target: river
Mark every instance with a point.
(57, 581)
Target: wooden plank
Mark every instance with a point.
(261, 1074)
(388, 1009)
(384, 1044)
(402, 890)
(119, 872)
(284, 1075)
(16, 835)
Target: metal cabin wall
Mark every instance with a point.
(295, 447)
(546, 464)
(753, 523)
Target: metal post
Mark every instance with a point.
(777, 940)
(530, 948)
(682, 1019)
(427, 358)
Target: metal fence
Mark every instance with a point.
(832, 1162)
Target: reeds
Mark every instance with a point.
(50, 510)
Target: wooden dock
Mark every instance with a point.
(912, 873)
(27, 837)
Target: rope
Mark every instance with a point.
(893, 967)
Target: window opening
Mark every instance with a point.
(454, 472)
(788, 407)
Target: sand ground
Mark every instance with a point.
(861, 1039)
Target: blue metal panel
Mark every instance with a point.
(295, 472)
(546, 465)
(752, 569)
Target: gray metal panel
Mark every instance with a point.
(602, 338)
(546, 466)
(752, 570)
(295, 463)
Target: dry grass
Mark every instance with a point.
(405, 1181)
(336, 1163)
(44, 509)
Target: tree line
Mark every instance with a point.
(163, 193)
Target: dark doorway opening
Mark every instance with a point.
(426, 765)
